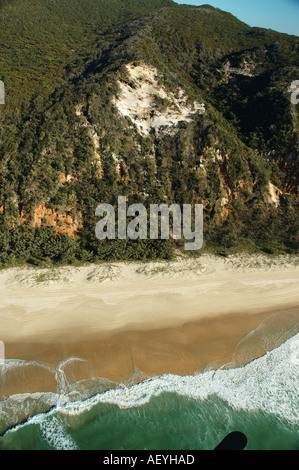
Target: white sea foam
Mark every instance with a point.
(55, 434)
(61, 377)
(269, 384)
(10, 364)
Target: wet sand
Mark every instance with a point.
(130, 356)
(130, 321)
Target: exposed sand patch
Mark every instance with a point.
(138, 100)
(274, 195)
(95, 139)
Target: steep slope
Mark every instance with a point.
(180, 104)
(39, 38)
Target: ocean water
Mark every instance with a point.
(170, 412)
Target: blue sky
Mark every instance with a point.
(280, 15)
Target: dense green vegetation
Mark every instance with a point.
(56, 56)
(39, 38)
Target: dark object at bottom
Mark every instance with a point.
(234, 441)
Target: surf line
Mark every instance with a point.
(158, 223)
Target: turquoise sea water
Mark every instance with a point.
(173, 413)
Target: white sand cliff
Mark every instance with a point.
(138, 101)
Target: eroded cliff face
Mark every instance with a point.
(63, 222)
(159, 115)
(66, 220)
(162, 110)
(149, 105)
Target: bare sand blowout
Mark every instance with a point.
(128, 321)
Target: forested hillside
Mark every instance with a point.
(149, 99)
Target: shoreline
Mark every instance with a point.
(41, 388)
(127, 320)
(25, 415)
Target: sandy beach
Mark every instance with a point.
(127, 321)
